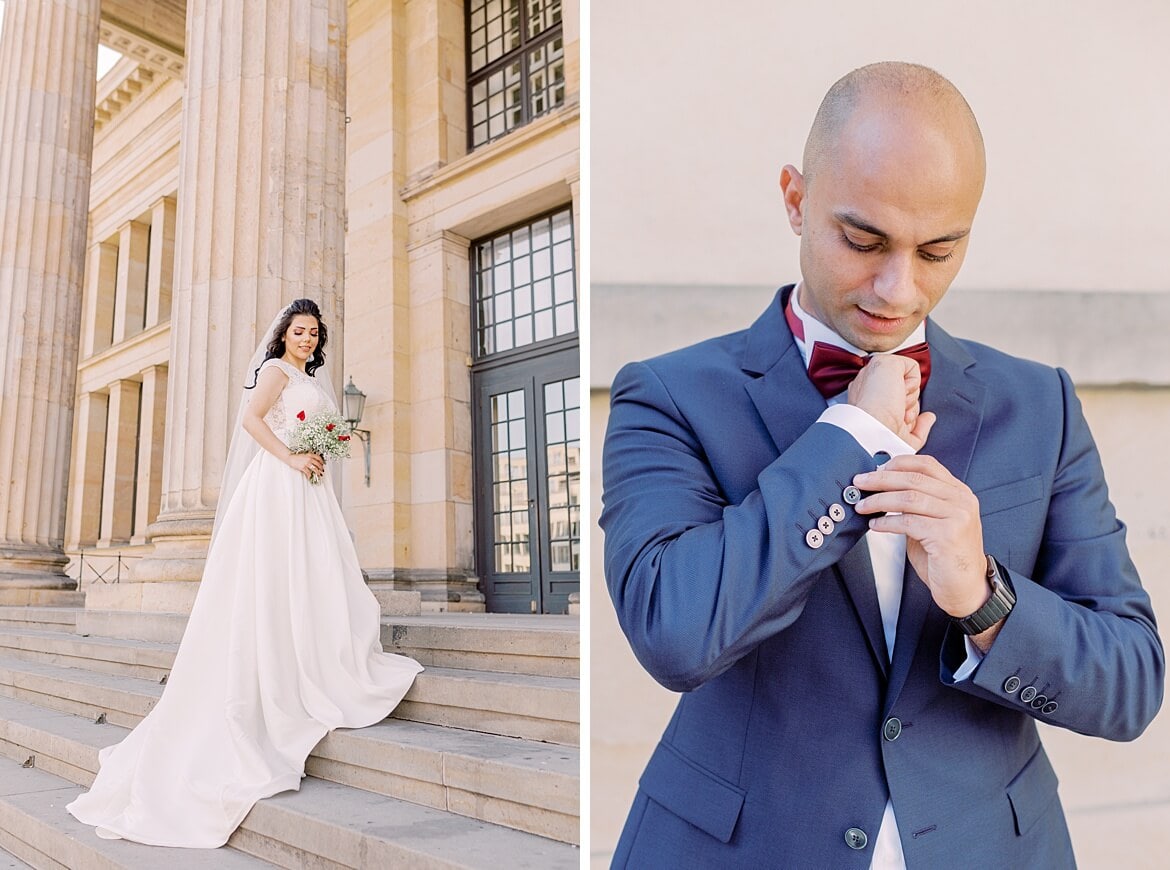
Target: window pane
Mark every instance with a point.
(566, 319)
(523, 331)
(564, 287)
(554, 396)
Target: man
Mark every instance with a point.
(868, 590)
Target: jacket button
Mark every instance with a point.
(836, 512)
(1027, 694)
(881, 457)
(825, 525)
(1039, 701)
(814, 538)
(851, 494)
(892, 729)
(1049, 708)
(855, 839)
(1011, 684)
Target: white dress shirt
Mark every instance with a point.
(887, 552)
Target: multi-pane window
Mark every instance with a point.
(515, 63)
(562, 430)
(525, 285)
(510, 536)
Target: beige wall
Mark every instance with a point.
(690, 125)
(692, 116)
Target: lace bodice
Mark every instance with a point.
(302, 393)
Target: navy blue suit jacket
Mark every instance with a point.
(714, 470)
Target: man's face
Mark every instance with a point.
(883, 225)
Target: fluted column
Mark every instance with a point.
(260, 222)
(48, 59)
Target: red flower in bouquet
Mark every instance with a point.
(316, 435)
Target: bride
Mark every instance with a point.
(282, 645)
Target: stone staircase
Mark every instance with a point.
(478, 767)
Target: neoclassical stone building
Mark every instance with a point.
(411, 164)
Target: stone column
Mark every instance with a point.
(85, 507)
(48, 60)
(121, 459)
(101, 280)
(152, 426)
(260, 222)
(130, 294)
(162, 260)
(442, 515)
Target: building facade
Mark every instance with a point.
(412, 166)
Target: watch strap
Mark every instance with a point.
(999, 605)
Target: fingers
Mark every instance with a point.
(918, 485)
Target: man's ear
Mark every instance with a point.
(792, 190)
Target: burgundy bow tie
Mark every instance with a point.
(832, 369)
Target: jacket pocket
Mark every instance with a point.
(692, 793)
(1032, 792)
(1010, 495)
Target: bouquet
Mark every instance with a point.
(325, 433)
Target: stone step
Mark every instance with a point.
(540, 646)
(8, 861)
(323, 825)
(512, 705)
(21, 596)
(524, 785)
(36, 829)
(504, 643)
(150, 661)
(46, 618)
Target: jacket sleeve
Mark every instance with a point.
(1082, 634)
(698, 582)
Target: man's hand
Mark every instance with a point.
(887, 389)
(939, 515)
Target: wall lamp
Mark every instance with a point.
(354, 403)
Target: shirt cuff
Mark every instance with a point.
(974, 657)
(873, 436)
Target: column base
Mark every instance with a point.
(442, 590)
(35, 576)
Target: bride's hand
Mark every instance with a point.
(307, 464)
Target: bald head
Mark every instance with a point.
(892, 93)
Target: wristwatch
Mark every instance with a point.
(999, 605)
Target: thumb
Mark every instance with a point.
(921, 430)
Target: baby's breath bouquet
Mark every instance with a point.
(325, 433)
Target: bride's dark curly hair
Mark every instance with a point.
(276, 346)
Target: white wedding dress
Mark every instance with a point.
(282, 646)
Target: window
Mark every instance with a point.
(525, 285)
(515, 63)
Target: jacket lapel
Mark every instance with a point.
(856, 572)
(957, 399)
(788, 403)
(785, 398)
